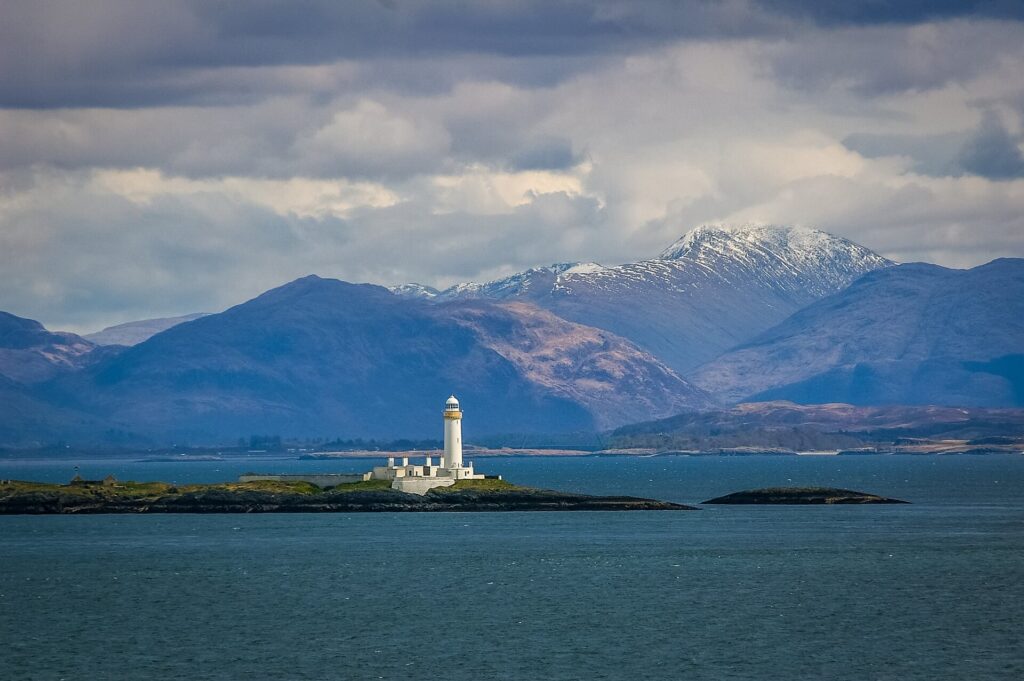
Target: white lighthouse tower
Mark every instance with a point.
(452, 434)
(418, 479)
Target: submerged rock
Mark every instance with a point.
(802, 495)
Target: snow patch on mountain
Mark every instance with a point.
(414, 290)
(516, 284)
(585, 268)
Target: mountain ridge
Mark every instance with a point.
(712, 289)
(910, 334)
(328, 357)
(29, 353)
(135, 332)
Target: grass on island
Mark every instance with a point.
(152, 490)
(362, 486)
(487, 484)
(95, 490)
(142, 490)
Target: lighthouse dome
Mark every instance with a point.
(452, 403)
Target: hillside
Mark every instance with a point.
(327, 357)
(790, 426)
(31, 354)
(910, 334)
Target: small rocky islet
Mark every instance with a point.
(111, 496)
(802, 496)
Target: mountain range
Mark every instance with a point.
(724, 315)
(714, 288)
(329, 357)
(909, 334)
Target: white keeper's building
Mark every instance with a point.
(418, 478)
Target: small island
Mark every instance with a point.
(802, 495)
(273, 496)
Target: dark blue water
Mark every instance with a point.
(933, 590)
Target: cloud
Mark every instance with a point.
(992, 152)
(369, 139)
(133, 53)
(545, 154)
(926, 154)
(84, 249)
(884, 60)
(845, 13)
(183, 156)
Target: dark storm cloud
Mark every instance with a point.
(873, 12)
(992, 152)
(934, 155)
(883, 60)
(131, 53)
(554, 154)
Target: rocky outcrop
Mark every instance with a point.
(802, 495)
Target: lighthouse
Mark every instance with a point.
(452, 434)
(419, 479)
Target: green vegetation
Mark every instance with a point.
(153, 490)
(273, 496)
(276, 486)
(90, 489)
(145, 490)
(488, 484)
(363, 486)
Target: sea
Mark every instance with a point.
(930, 590)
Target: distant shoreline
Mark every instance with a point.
(214, 456)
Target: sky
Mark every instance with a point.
(162, 157)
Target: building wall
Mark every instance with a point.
(420, 486)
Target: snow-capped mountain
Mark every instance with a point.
(522, 284)
(415, 290)
(806, 261)
(716, 287)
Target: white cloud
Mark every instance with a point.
(298, 196)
